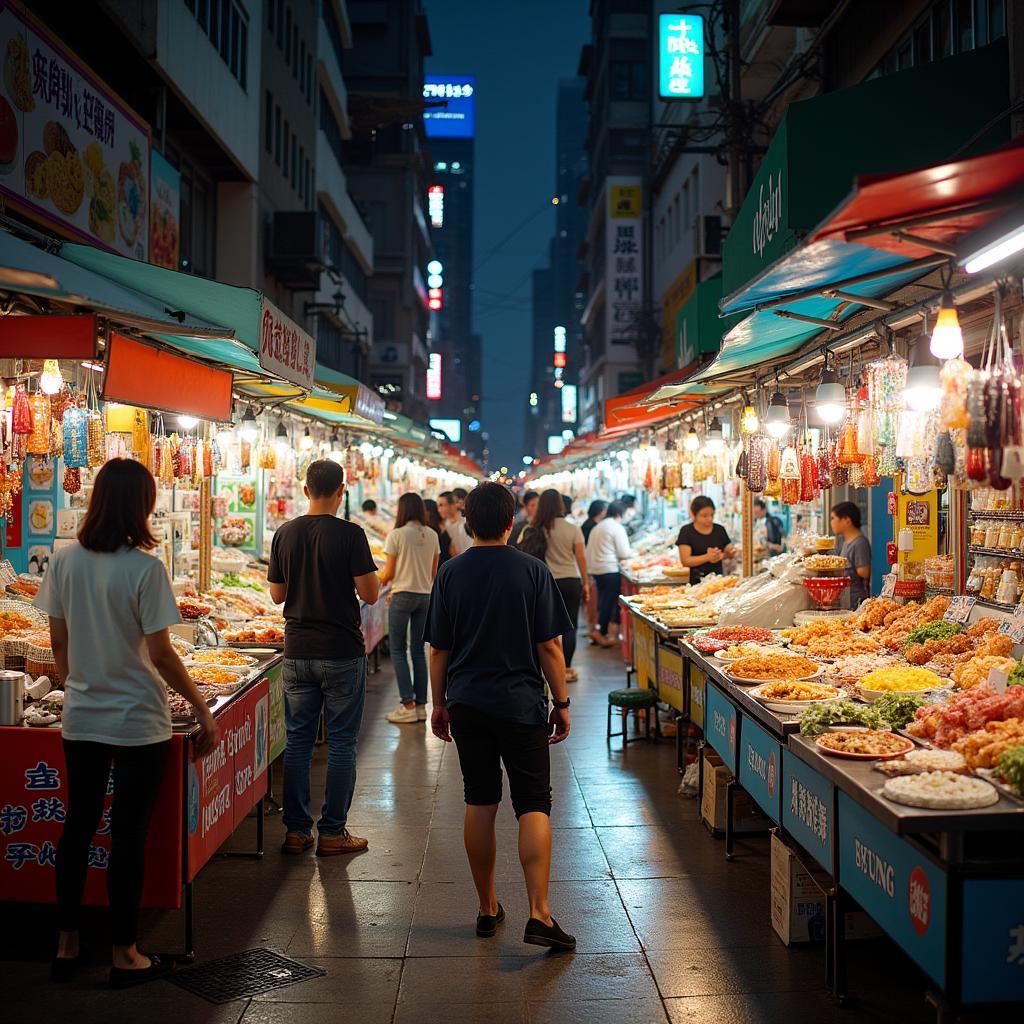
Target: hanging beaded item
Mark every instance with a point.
(56, 440)
(76, 438)
(39, 439)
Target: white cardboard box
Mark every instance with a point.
(714, 807)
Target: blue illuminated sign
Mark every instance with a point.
(720, 725)
(454, 116)
(760, 767)
(680, 56)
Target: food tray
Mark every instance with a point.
(240, 646)
(250, 662)
(788, 707)
(747, 681)
(853, 756)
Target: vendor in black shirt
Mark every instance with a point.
(703, 543)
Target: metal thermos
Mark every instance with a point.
(12, 697)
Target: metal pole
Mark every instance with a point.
(747, 529)
(206, 524)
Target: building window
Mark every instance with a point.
(330, 127)
(226, 24)
(341, 256)
(947, 27)
(629, 80)
(198, 222)
(333, 31)
(309, 79)
(277, 136)
(268, 122)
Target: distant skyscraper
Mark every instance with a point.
(557, 288)
(450, 130)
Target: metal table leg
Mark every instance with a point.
(730, 794)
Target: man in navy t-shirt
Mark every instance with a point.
(494, 626)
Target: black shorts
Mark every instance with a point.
(485, 742)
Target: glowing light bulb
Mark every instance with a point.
(51, 381)
(187, 422)
(749, 421)
(692, 441)
(306, 441)
(947, 338)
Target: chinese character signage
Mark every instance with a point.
(286, 350)
(807, 808)
(680, 56)
(164, 208)
(624, 260)
(70, 152)
(450, 113)
(760, 767)
(434, 376)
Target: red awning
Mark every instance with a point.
(940, 204)
(624, 413)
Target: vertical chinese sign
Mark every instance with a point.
(680, 56)
(71, 153)
(624, 260)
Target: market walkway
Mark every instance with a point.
(667, 930)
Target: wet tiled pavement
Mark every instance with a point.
(667, 930)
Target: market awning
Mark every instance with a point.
(886, 125)
(27, 269)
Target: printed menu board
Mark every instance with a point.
(71, 152)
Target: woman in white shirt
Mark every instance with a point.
(607, 547)
(564, 555)
(413, 552)
(110, 605)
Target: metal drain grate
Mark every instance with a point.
(243, 974)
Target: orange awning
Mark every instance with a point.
(625, 413)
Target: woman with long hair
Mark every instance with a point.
(413, 550)
(562, 545)
(110, 606)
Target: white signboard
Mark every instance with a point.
(624, 260)
(286, 350)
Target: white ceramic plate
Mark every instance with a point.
(789, 707)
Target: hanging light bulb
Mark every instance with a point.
(306, 441)
(187, 422)
(749, 421)
(947, 338)
(776, 419)
(281, 437)
(830, 396)
(51, 381)
(225, 436)
(714, 441)
(692, 441)
(923, 389)
(249, 429)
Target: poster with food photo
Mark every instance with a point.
(70, 150)
(164, 212)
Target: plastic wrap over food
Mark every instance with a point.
(770, 606)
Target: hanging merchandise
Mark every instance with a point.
(76, 438)
(72, 482)
(266, 455)
(56, 440)
(142, 440)
(919, 475)
(21, 412)
(849, 454)
(886, 380)
(94, 427)
(757, 463)
(789, 464)
(865, 421)
(945, 455)
(741, 465)
(686, 475)
(910, 439)
(823, 474)
(954, 376)
(808, 477)
(869, 468)
(245, 456)
(790, 491)
(39, 439)
(187, 457)
(774, 461)
(855, 476)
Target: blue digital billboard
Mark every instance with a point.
(680, 56)
(455, 119)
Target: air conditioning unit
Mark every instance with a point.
(707, 237)
(295, 249)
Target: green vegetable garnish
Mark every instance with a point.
(230, 579)
(897, 708)
(1011, 769)
(821, 716)
(1016, 676)
(939, 630)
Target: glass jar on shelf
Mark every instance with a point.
(1005, 535)
(992, 535)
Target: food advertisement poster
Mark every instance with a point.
(164, 213)
(70, 151)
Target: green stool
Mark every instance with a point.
(633, 700)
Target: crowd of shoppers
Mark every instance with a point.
(495, 594)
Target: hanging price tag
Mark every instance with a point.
(888, 584)
(7, 573)
(1014, 626)
(959, 610)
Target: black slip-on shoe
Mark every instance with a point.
(487, 924)
(123, 977)
(539, 934)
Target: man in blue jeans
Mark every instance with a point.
(318, 564)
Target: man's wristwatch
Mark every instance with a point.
(561, 704)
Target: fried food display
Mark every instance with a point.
(774, 666)
(897, 679)
(864, 743)
(983, 748)
(977, 669)
(796, 690)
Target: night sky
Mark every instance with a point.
(517, 52)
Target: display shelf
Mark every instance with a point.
(994, 605)
(977, 549)
(994, 513)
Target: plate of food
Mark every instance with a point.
(768, 666)
(214, 675)
(826, 565)
(925, 759)
(223, 657)
(792, 696)
(940, 790)
(742, 634)
(737, 651)
(897, 679)
(863, 744)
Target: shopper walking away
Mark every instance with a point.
(856, 549)
(373, 518)
(703, 543)
(436, 523)
(494, 626)
(449, 505)
(413, 552)
(110, 605)
(607, 548)
(524, 517)
(318, 564)
(595, 513)
(563, 553)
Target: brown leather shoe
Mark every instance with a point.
(331, 846)
(296, 843)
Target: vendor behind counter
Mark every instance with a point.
(703, 544)
(856, 549)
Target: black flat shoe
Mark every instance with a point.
(539, 934)
(63, 968)
(123, 977)
(487, 924)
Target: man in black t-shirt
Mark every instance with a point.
(494, 626)
(318, 564)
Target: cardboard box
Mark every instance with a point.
(714, 807)
(798, 901)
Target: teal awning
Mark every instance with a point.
(698, 327)
(27, 269)
(893, 123)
